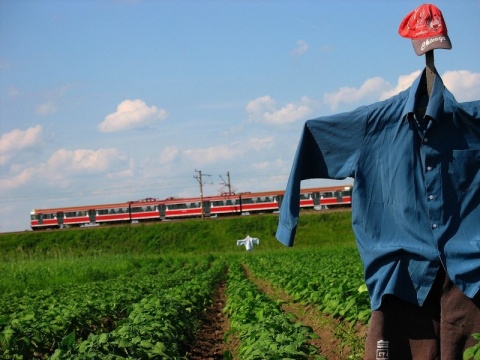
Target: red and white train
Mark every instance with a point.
(151, 209)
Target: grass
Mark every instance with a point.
(186, 237)
(34, 260)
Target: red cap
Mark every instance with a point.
(427, 29)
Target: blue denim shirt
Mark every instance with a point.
(416, 194)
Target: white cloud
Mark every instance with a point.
(46, 108)
(373, 87)
(301, 48)
(404, 82)
(264, 109)
(132, 114)
(20, 139)
(18, 180)
(17, 139)
(260, 105)
(270, 165)
(124, 172)
(64, 166)
(463, 84)
(213, 154)
(258, 144)
(202, 156)
(168, 155)
(64, 162)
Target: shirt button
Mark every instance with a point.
(429, 168)
(430, 197)
(425, 140)
(434, 226)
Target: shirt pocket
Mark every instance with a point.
(464, 170)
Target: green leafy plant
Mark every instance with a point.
(474, 351)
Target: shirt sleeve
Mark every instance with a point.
(328, 149)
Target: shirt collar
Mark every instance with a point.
(435, 103)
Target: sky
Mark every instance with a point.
(108, 101)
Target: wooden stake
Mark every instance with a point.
(430, 71)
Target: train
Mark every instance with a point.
(173, 208)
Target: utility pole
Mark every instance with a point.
(227, 183)
(200, 182)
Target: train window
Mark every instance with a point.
(229, 202)
(247, 201)
(177, 206)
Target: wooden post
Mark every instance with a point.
(430, 71)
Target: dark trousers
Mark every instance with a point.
(440, 329)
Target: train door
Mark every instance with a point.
(60, 219)
(91, 215)
(339, 195)
(207, 207)
(279, 200)
(162, 210)
(316, 199)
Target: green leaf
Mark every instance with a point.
(159, 348)
(146, 344)
(469, 353)
(68, 341)
(103, 338)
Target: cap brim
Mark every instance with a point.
(422, 46)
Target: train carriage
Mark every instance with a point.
(152, 209)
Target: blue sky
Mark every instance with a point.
(108, 100)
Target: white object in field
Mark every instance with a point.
(248, 242)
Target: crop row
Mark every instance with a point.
(37, 324)
(333, 280)
(264, 330)
(153, 311)
(160, 326)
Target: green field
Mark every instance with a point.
(143, 291)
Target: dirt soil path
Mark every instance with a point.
(210, 344)
(209, 341)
